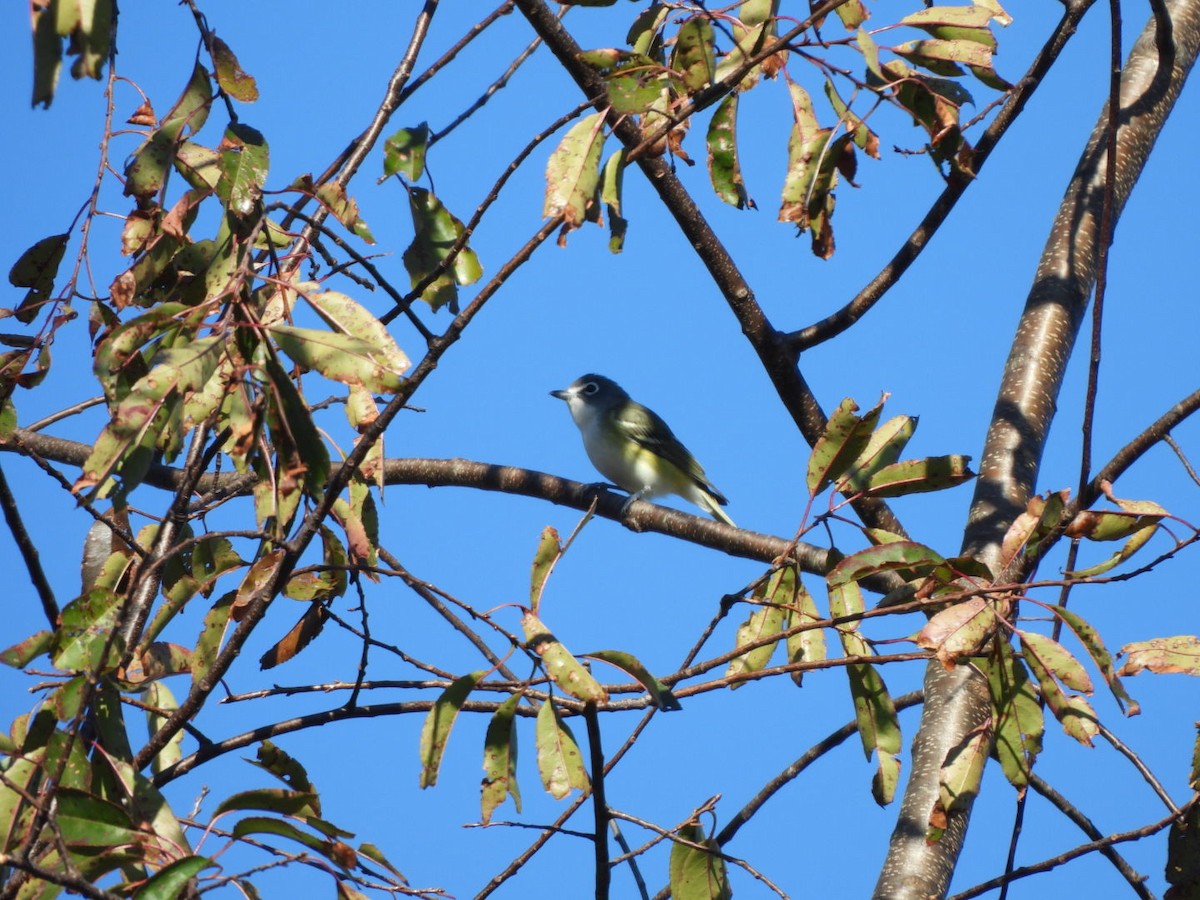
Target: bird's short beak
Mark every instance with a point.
(561, 395)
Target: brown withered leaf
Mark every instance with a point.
(143, 115)
(298, 638)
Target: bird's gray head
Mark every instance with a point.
(591, 393)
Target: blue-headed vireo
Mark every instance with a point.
(635, 448)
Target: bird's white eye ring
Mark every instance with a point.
(591, 387)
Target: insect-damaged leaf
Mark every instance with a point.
(1019, 721)
(846, 436)
(436, 730)
(563, 668)
(341, 357)
(693, 56)
(559, 762)
(244, 161)
(548, 550)
(500, 760)
(573, 172)
(1176, 655)
(724, 167)
(230, 76)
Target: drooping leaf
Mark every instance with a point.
(559, 762)
(333, 196)
(548, 550)
(1092, 642)
(693, 56)
(36, 269)
(724, 167)
(341, 357)
(438, 722)
(436, 232)
(233, 80)
(500, 760)
(573, 172)
(698, 874)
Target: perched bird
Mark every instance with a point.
(635, 448)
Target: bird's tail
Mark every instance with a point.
(713, 508)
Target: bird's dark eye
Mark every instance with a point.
(591, 387)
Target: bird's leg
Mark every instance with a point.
(636, 495)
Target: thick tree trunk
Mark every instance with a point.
(956, 702)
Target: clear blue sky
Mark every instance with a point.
(651, 319)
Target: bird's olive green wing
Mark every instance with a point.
(647, 429)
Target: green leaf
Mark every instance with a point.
(693, 56)
(47, 55)
(162, 703)
(611, 185)
(698, 874)
(276, 800)
(645, 34)
(878, 725)
(36, 270)
(199, 166)
(659, 692)
(884, 448)
(436, 232)
(724, 167)
(1092, 642)
(563, 668)
(86, 821)
(24, 652)
(962, 771)
(548, 551)
(191, 109)
(908, 557)
(574, 171)
(959, 630)
(436, 730)
(1055, 658)
(559, 761)
(933, 16)
(209, 643)
(1019, 721)
(85, 641)
(230, 76)
(807, 645)
(341, 357)
(404, 152)
(245, 159)
(1060, 704)
(500, 760)
(634, 81)
(846, 436)
(287, 769)
(763, 622)
(171, 881)
(351, 318)
(917, 476)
